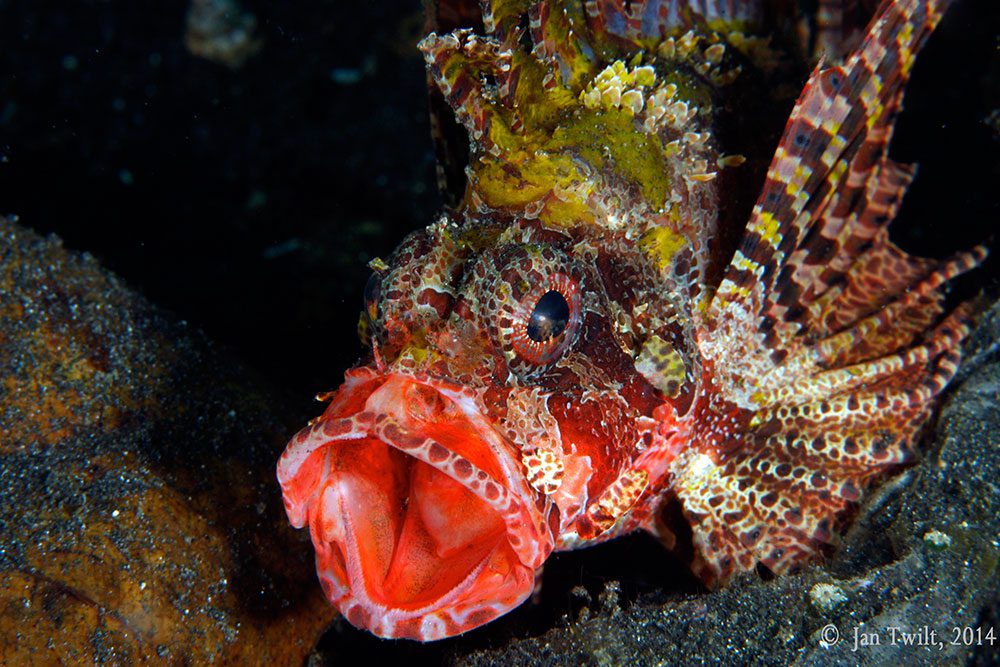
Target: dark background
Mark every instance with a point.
(248, 201)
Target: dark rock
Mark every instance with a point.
(139, 516)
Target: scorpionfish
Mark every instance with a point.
(592, 342)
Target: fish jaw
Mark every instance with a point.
(422, 524)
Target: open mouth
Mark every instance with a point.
(417, 510)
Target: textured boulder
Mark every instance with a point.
(139, 517)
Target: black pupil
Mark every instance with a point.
(549, 318)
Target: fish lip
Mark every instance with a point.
(522, 546)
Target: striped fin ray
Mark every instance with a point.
(784, 491)
(812, 385)
(825, 345)
(816, 258)
(455, 62)
(825, 155)
(497, 85)
(773, 505)
(897, 323)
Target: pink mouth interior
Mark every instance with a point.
(402, 548)
(418, 532)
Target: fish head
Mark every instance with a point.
(498, 415)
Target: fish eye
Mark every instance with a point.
(544, 323)
(549, 318)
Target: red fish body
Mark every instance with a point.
(571, 353)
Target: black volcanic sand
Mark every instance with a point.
(247, 202)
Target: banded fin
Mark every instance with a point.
(512, 67)
(451, 143)
(825, 344)
(458, 63)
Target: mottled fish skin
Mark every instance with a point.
(570, 353)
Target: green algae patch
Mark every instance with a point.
(589, 142)
(610, 140)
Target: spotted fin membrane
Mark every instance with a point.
(825, 341)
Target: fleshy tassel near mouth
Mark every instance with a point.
(421, 521)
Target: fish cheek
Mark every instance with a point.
(598, 430)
